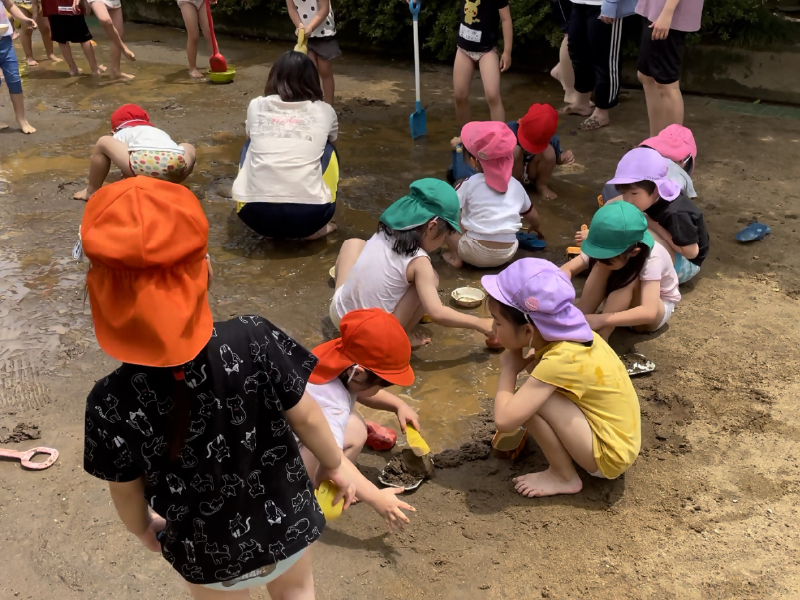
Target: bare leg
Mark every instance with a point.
(653, 325)
(463, 70)
(44, 30)
(111, 20)
(190, 19)
(651, 98)
(594, 290)
(190, 156)
(409, 311)
(564, 435)
(325, 69)
(106, 151)
(618, 301)
(566, 75)
(326, 229)
(490, 74)
(19, 111)
(27, 40)
(348, 256)
(451, 257)
(516, 170)
(539, 171)
(89, 52)
(66, 52)
(355, 436)
(671, 102)
(296, 584)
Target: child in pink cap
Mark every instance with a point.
(676, 143)
(579, 404)
(493, 203)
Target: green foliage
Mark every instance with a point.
(745, 23)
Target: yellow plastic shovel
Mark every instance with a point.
(302, 43)
(417, 456)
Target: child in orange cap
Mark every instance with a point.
(372, 354)
(194, 431)
(493, 203)
(137, 147)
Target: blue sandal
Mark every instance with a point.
(530, 241)
(753, 233)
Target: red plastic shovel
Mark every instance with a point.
(216, 61)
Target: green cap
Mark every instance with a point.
(427, 198)
(616, 227)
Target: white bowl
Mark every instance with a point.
(468, 297)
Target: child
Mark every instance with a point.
(137, 148)
(579, 403)
(194, 430)
(392, 270)
(109, 13)
(31, 10)
(492, 202)
(9, 64)
(315, 18)
(195, 19)
(68, 25)
(477, 46)
(673, 219)
(373, 353)
(631, 272)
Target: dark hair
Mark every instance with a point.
(372, 379)
(516, 316)
(630, 271)
(467, 154)
(646, 185)
(407, 241)
(179, 414)
(688, 166)
(294, 78)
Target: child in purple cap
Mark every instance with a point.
(673, 219)
(579, 403)
(493, 203)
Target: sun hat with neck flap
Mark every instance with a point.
(371, 338)
(675, 142)
(615, 227)
(147, 241)
(129, 115)
(544, 294)
(427, 199)
(492, 143)
(645, 164)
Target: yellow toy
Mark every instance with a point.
(325, 494)
(302, 43)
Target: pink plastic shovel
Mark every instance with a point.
(26, 456)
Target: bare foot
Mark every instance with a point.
(26, 127)
(329, 228)
(452, 259)
(195, 74)
(54, 58)
(121, 75)
(566, 158)
(575, 109)
(593, 123)
(75, 72)
(418, 338)
(15, 36)
(545, 192)
(126, 52)
(31, 62)
(3, 125)
(100, 69)
(546, 483)
(82, 195)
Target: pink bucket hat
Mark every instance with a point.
(492, 143)
(675, 142)
(645, 164)
(541, 291)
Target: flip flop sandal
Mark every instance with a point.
(380, 438)
(530, 241)
(637, 364)
(591, 124)
(753, 233)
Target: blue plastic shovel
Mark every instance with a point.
(417, 118)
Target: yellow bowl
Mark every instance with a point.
(225, 77)
(325, 495)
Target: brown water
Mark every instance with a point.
(287, 282)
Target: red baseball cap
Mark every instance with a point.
(537, 127)
(371, 338)
(129, 115)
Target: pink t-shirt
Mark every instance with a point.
(659, 267)
(686, 17)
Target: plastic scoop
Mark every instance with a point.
(302, 43)
(325, 494)
(417, 456)
(216, 61)
(26, 456)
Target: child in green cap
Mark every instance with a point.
(632, 272)
(392, 270)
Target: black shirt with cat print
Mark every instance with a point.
(237, 498)
(478, 22)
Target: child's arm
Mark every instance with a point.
(690, 251)
(294, 15)
(128, 498)
(512, 410)
(15, 12)
(384, 502)
(310, 425)
(643, 314)
(664, 22)
(383, 400)
(323, 8)
(531, 219)
(574, 266)
(35, 9)
(424, 278)
(508, 38)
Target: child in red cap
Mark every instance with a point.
(372, 354)
(493, 203)
(137, 148)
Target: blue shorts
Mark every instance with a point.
(686, 269)
(9, 65)
(259, 577)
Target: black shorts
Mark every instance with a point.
(69, 29)
(561, 10)
(286, 221)
(661, 59)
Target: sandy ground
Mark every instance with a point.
(709, 510)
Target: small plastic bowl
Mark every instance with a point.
(468, 297)
(332, 272)
(226, 77)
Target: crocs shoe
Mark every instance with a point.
(380, 438)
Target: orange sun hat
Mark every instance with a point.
(147, 241)
(371, 338)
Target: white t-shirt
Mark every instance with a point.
(4, 21)
(589, 2)
(144, 137)
(307, 9)
(287, 140)
(489, 215)
(378, 279)
(336, 403)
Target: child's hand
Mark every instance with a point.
(581, 235)
(505, 62)
(596, 321)
(30, 23)
(346, 487)
(391, 508)
(406, 414)
(148, 537)
(566, 158)
(661, 26)
(455, 142)
(486, 326)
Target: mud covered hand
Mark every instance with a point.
(148, 536)
(391, 508)
(406, 414)
(344, 484)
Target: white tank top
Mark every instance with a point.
(378, 279)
